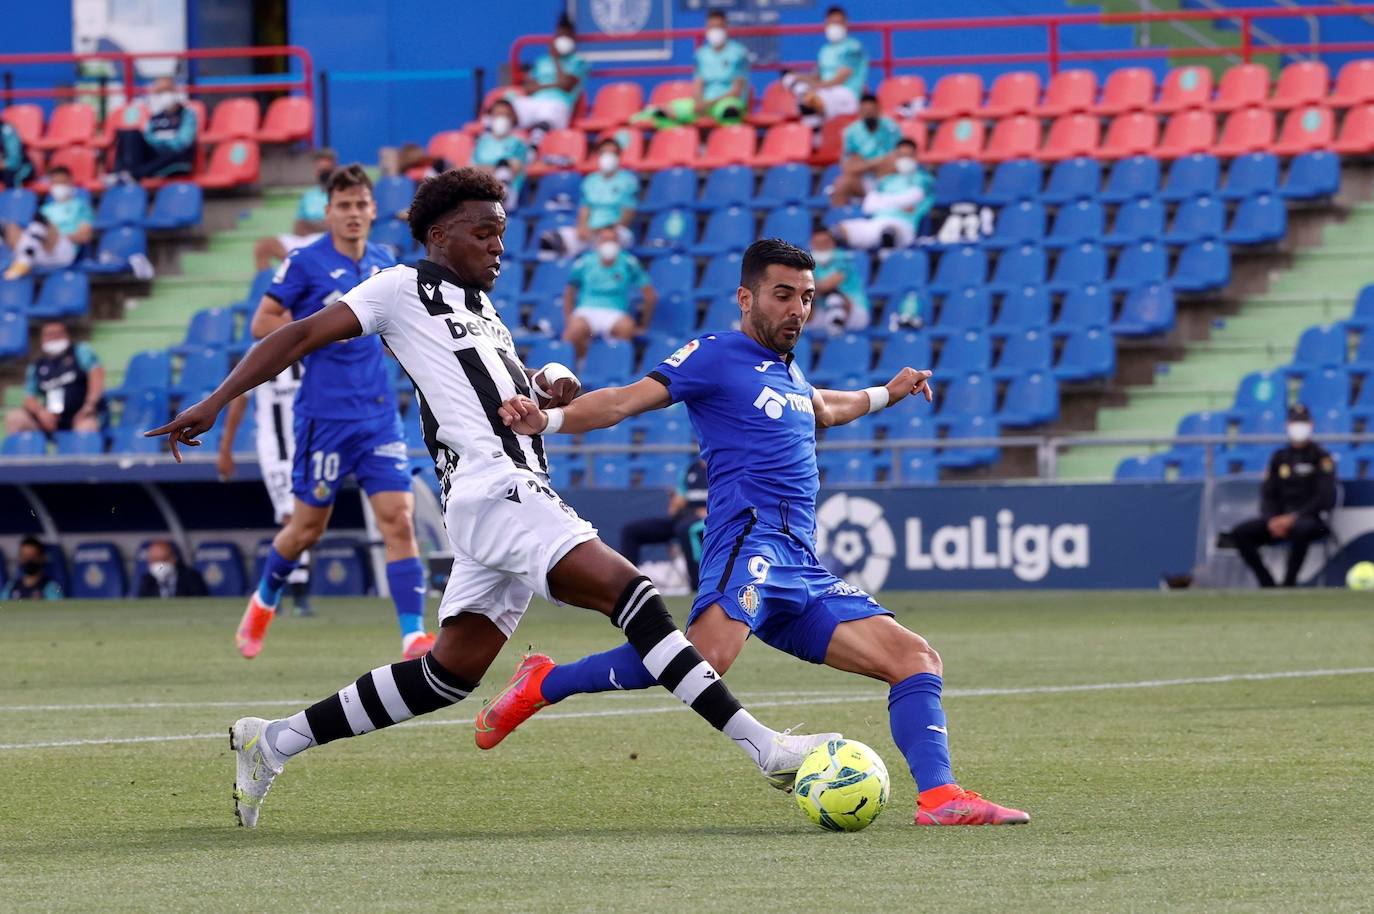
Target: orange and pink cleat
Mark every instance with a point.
(952, 805)
(253, 627)
(514, 704)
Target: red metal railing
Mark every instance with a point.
(1054, 54)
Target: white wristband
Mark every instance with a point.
(877, 399)
(555, 421)
(552, 372)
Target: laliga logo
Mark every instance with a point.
(1028, 550)
(620, 17)
(852, 531)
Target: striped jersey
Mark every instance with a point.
(273, 401)
(461, 359)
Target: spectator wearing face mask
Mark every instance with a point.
(167, 576)
(1298, 492)
(309, 224)
(841, 296)
(841, 73)
(167, 143)
(720, 88)
(607, 199)
(554, 83)
(54, 238)
(63, 387)
(502, 152)
(893, 210)
(870, 150)
(15, 167)
(601, 288)
(33, 582)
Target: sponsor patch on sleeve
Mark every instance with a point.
(677, 358)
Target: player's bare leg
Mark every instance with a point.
(405, 574)
(302, 530)
(882, 649)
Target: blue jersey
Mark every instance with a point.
(752, 411)
(345, 380)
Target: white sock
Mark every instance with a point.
(290, 736)
(753, 737)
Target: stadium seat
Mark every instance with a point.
(787, 142)
(842, 356)
(1131, 134)
(917, 468)
(1014, 137)
(1023, 308)
(1073, 179)
(1031, 349)
(1187, 133)
(1089, 354)
(64, 294)
(16, 294)
(732, 144)
(965, 352)
(18, 206)
(972, 394)
(1206, 424)
(1261, 391)
(784, 185)
(71, 124)
(79, 444)
(560, 150)
(1254, 173)
(453, 146)
(732, 185)
(393, 234)
(777, 104)
(722, 313)
(669, 230)
(393, 194)
(547, 283)
(1127, 89)
(80, 160)
(1325, 387)
(720, 278)
(1070, 136)
(1031, 399)
(1018, 266)
(1016, 224)
(829, 145)
(1069, 91)
(1306, 130)
(674, 147)
(958, 182)
(1246, 130)
(901, 270)
(728, 229)
(790, 223)
(609, 471)
(1184, 88)
(1261, 219)
(668, 189)
(1354, 85)
(970, 427)
(1081, 220)
(965, 265)
(1321, 344)
(1131, 177)
(232, 164)
(14, 334)
(672, 274)
(97, 572)
(1243, 86)
(1084, 262)
(340, 569)
(558, 190)
(848, 467)
(203, 370)
(1302, 83)
(177, 205)
(144, 409)
(27, 121)
(209, 328)
(1356, 136)
(232, 119)
(955, 95)
(970, 306)
(1013, 182)
(1142, 219)
(1150, 468)
(1147, 310)
(1362, 315)
(24, 444)
(957, 138)
(1017, 92)
(122, 117)
(1202, 266)
(289, 119)
(117, 246)
(613, 106)
(1203, 216)
(545, 351)
(1191, 175)
(220, 563)
(1146, 261)
(608, 362)
(130, 440)
(896, 93)
(668, 91)
(903, 348)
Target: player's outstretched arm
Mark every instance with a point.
(837, 407)
(264, 361)
(598, 409)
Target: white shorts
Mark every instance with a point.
(838, 101)
(868, 233)
(508, 530)
(530, 112)
(572, 245)
(276, 443)
(291, 242)
(62, 254)
(601, 320)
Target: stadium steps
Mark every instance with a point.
(1185, 35)
(1318, 287)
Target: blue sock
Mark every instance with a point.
(619, 668)
(406, 578)
(275, 571)
(918, 729)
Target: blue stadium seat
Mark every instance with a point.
(1031, 399)
(908, 425)
(1141, 469)
(147, 370)
(669, 189)
(1312, 176)
(1261, 422)
(1012, 182)
(16, 294)
(918, 468)
(969, 307)
(1147, 310)
(968, 457)
(727, 229)
(1027, 350)
(1028, 306)
(1197, 218)
(784, 185)
(64, 294)
(515, 241)
(393, 194)
(506, 293)
(1136, 176)
(203, 370)
(824, 187)
(1077, 221)
(721, 314)
(1186, 467)
(965, 265)
(178, 205)
(1088, 305)
(1018, 223)
(1251, 174)
(658, 471)
(122, 204)
(130, 440)
(609, 471)
(790, 223)
(965, 352)
(562, 467)
(1082, 264)
(674, 316)
(732, 185)
(340, 569)
(1325, 387)
(1141, 219)
(558, 190)
(1363, 407)
(213, 327)
(394, 235)
(972, 394)
(1201, 424)
(1139, 264)
(24, 444)
(664, 426)
(1073, 179)
(672, 274)
(18, 206)
(1088, 354)
(1023, 265)
(14, 334)
(1362, 315)
(549, 350)
(79, 444)
(1262, 219)
(908, 268)
(608, 362)
(548, 281)
(1319, 345)
(261, 281)
(548, 222)
(848, 467)
(1202, 267)
(721, 277)
(97, 572)
(902, 349)
(144, 409)
(958, 182)
(845, 355)
(1261, 391)
(220, 563)
(1246, 463)
(117, 246)
(1199, 173)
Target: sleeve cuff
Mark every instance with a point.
(364, 315)
(661, 378)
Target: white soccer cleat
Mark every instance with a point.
(786, 755)
(256, 765)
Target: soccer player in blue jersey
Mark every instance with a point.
(346, 419)
(755, 415)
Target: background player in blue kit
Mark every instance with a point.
(755, 415)
(346, 419)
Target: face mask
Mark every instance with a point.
(31, 567)
(607, 250)
(608, 162)
(55, 347)
(835, 33)
(1300, 432)
(161, 101)
(61, 192)
(822, 258)
(161, 570)
(500, 125)
(323, 175)
(564, 45)
(905, 165)
(715, 36)
(871, 123)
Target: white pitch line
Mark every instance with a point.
(778, 703)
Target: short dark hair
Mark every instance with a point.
(836, 9)
(59, 170)
(446, 192)
(565, 24)
(715, 14)
(609, 140)
(868, 97)
(767, 251)
(346, 177)
(907, 141)
(35, 542)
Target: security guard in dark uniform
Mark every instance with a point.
(685, 523)
(1299, 488)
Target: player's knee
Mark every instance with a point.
(16, 421)
(909, 656)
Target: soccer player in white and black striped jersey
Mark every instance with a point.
(512, 536)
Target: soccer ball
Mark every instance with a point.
(842, 785)
(1360, 576)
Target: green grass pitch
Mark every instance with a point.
(1165, 763)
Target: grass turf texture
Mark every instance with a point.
(1246, 795)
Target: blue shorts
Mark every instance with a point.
(774, 584)
(327, 450)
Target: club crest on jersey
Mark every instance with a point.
(321, 490)
(677, 358)
(749, 599)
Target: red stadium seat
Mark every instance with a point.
(730, 145)
(1354, 85)
(915, 131)
(1186, 133)
(955, 95)
(232, 164)
(71, 124)
(784, 143)
(1242, 86)
(1069, 91)
(125, 117)
(289, 119)
(1306, 130)
(1127, 89)
(777, 105)
(669, 90)
(1247, 130)
(560, 150)
(233, 118)
(1015, 137)
(956, 138)
(1357, 132)
(453, 146)
(1131, 134)
(492, 96)
(631, 150)
(613, 106)
(671, 147)
(1012, 93)
(1301, 83)
(831, 145)
(1071, 136)
(896, 92)
(27, 120)
(82, 162)
(1183, 89)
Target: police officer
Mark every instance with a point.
(63, 387)
(1299, 487)
(685, 523)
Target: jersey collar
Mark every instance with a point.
(785, 357)
(472, 296)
